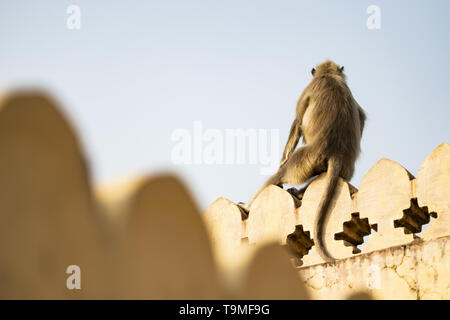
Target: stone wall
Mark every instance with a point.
(419, 270)
(393, 231)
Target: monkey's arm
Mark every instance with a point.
(294, 136)
(296, 129)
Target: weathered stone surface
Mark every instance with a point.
(271, 216)
(384, 193)
(433, 190)
(224, 223)
(418, 270)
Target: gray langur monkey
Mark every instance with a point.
(331, 123)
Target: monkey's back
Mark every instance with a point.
(331, 121)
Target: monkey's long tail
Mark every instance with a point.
(332, 177)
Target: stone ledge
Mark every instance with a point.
(418, 270)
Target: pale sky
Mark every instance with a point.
(137, 71)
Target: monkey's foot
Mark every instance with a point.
(298, 193)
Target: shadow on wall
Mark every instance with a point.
(141, 240)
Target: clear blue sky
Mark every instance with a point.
(136, 71)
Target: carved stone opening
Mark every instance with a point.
(414, 218)
(299, 243)
(354, 232)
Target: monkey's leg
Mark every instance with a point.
(298, 169)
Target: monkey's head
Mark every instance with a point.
(328, 67)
